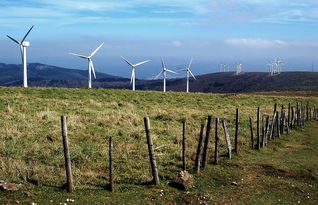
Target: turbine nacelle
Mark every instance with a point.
(25, 43)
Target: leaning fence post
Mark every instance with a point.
(206, 141)
(257, 129)
(67, 155)
(111, 168)
(271, 134)
(252, 136)
(216, 148)
(266, 130)
(199, 150)
(184, 126)
(152, 156)
(236, 130)
(228, 140)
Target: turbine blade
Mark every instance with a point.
(129, 63)
(18, 42)
(132, 76)
(163, 63)
(190, 63)
(27, 34)
(21, 49)
(158, 75)
(93, 53)
(192, 74)
(78, 55)
(183, 69)
(171, 71)
(138, 64)
(92, 68)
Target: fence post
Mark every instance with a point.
(236, 130)
(288, 119)
(252, 136)
(277, 124)
(184, 127)
(67, 158)
(216, 148)
(152, 156)
(111, 169)
(206, 141)
(271, 134)
(228, 140)
(199, 150)
(266, 130)
(257, 129)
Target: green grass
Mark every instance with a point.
(31, 147)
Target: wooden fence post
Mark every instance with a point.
(199, 150)
(152, 156)
(277, 124)
(271, 134)
(252, 136)
(228, 140)
(257, 129)
(216, 146)
(237, 118)
(292, 118)
(206, 141)
(297, 114)
(288, 119)
(266, 131)
(67, 158)
(263, 131)
(184, 127)
(111, 169)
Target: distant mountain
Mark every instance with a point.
(41, 75)
(11, 75)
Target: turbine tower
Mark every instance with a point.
(90, 64)
(133, 71)
(23, 45)
(187, 69)
(164, 73)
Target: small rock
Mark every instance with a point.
(29, 194)
(183, 181)
(234, 183)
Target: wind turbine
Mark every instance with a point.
(23, 45)
(187, 69)
(90, 64)
(133, 71)
(164, 73)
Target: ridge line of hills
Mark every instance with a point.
(41, 75)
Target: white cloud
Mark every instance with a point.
(255, 42)
(177, 43)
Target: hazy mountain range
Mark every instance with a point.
(42, 75)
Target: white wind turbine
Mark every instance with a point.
(133, 71)
(23, 45)
(187, 69)
(164, 73)
(90, 64)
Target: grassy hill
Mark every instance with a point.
(31, 146)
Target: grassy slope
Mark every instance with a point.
(30, 146)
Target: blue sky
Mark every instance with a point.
(251, 32)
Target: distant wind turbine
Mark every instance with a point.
(164, 73)
(133, 71)
(23, 45)
(90, 64)
(187, 69)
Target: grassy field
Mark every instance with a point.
(31, 147)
